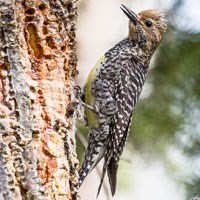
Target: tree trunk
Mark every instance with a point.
(37, 127)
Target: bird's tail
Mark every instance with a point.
(112, 175)
(111, 166)
(108, 157)
(94, 153)
(102, 178)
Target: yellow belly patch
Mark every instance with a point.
(89, 98)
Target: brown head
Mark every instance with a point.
(146, 28)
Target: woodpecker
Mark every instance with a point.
(112, 90)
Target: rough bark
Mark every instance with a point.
(37, 70)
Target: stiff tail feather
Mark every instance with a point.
(112, 175)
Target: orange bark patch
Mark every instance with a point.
(34, 41)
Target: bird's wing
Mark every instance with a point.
(128, 88)
(127, 91)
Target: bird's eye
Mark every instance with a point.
(148, 23)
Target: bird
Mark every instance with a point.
(112, 90)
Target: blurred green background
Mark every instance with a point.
(165, 133)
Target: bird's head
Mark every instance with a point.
(146, 28)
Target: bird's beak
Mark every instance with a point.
(130, 14)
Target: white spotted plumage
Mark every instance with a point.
(112, 90)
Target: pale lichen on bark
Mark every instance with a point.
(37, 71)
